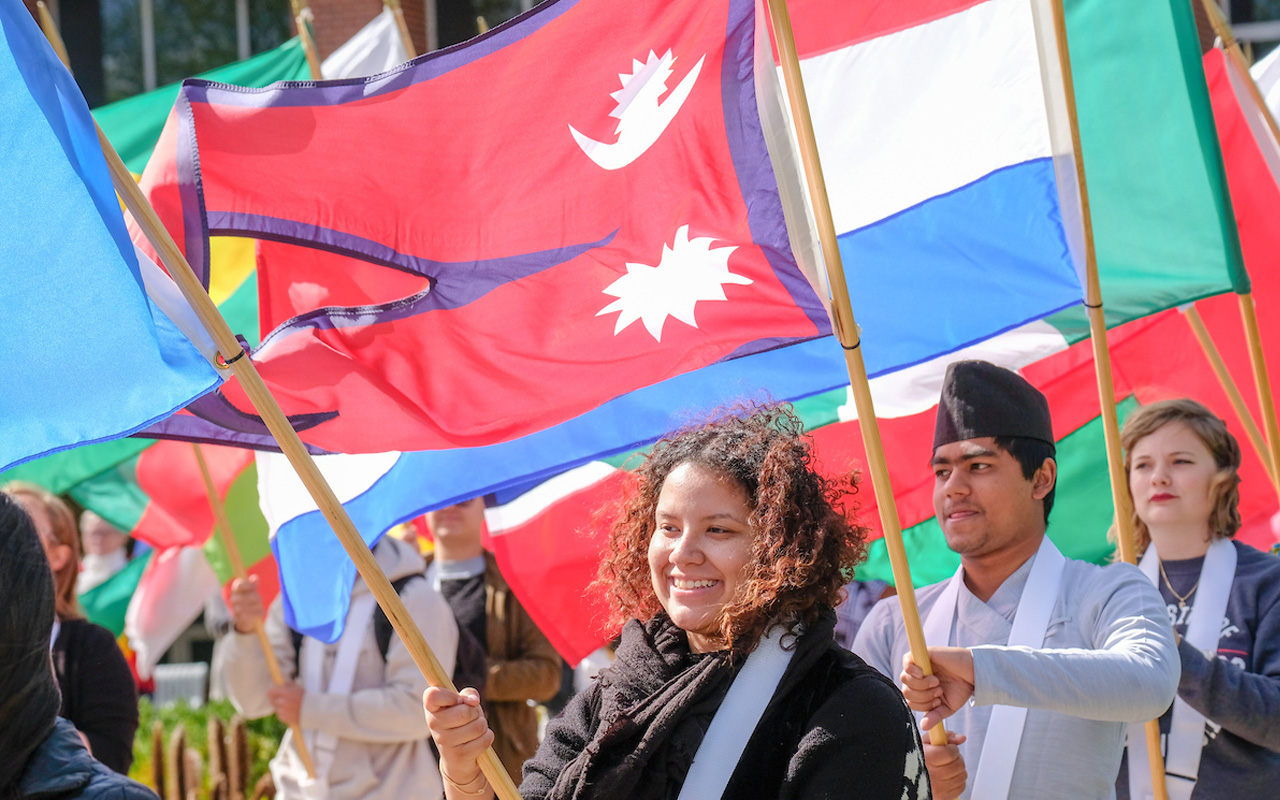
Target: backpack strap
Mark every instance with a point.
(296, 638)
(381, 625)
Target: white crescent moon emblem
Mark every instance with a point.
(638, 131)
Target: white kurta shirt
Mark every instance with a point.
(1108, 659)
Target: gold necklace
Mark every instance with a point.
(1182, 598)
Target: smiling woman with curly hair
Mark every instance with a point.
(726, 561)
(804, 548)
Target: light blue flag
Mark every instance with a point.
(85, 354)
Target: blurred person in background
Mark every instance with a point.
(105, 551)
(355, 700)
(41, 755)
(99, 696)
(522, 666)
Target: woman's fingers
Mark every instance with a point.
(437, 698)
(456, 720)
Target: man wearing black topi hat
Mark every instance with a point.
(1040, 661)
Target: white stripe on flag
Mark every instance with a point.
(925, 111)
(537, 500)
(284, 497)
(916, 389)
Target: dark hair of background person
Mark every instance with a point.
(805, 546)
(1224, 520)
(1031, 454)
(65, 532)
(29, 696)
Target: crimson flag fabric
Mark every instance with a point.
(440, 268)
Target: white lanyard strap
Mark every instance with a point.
(736, 719)
(1186, 730)
(1004, 729)
(323, 744)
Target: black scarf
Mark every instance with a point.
(656, 703)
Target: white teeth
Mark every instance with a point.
(693, 584)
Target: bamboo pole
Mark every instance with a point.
(1102, 366)
(407, 40)
(278, 424)
(222, 529)
(1232, 49)
(1261, 379)
(846, 331)
(47, 24)
(1233, 392)
(1248, 313)
(433, 25)
(301, 12)
(271, 413)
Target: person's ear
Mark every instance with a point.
(59, 555)
(1043, 480)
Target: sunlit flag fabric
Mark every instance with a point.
(318, 302)
(497, 239)
(87, 354)
(566, 240)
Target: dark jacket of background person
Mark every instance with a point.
(523, 666)
(62, 768)
(98, 693)
(40, 755)
(835, 727)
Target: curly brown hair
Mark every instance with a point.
(805, 547)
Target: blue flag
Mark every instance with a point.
(85, 353)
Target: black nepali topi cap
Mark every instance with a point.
(980, 399)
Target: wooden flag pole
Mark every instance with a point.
(301, 11)
(267, 407)
(222, 528)
(846, 331)
(1232, 49)
(221, 525)
(278, 424)
(1233, 392)
(1261, 379)
(47, 24)
(405, 38)
(1248, 314)
(1102, 366)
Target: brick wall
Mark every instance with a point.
(338, 20)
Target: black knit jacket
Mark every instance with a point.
(834, 728)
(99, 696)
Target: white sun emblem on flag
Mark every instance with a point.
(689, 270)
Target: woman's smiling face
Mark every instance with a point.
(700, 550)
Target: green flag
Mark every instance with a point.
(1163, 229)
(106, 603)
(133, 125)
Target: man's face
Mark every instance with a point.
(458, 524)
(983, 503)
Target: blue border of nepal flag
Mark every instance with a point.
(85, 354)
(635, 273)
